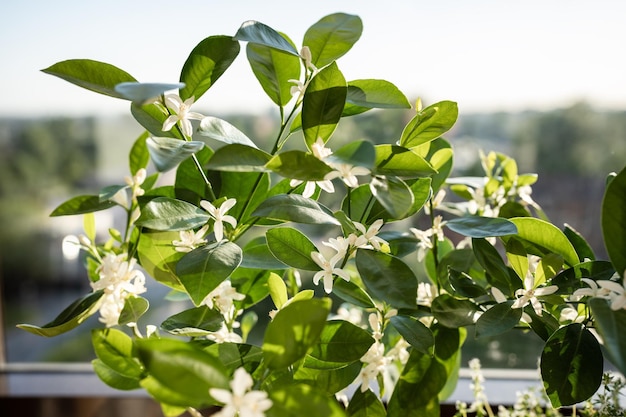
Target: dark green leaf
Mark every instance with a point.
(82, 204)
(292, 247)
(414, 332)
(367, 94)
(341, 341)
(571, 365)
(92, 75)
(611, 324)
(568, 280)
(299, 165)
(357, 153)
(256, 254)
(478, 226)
(221, 130)
(168, 214)
(498, 319)
(365, 404)
(329, 381)
(234, 356)
(239, 158)
(464, 285)
(614, 221)
(295, 208)
(452, 312)
(497, 272)
(393, 194)
(195, 322)
(352, 293)
(582, 247)
(301, 399)
(261, 34)
(332, 36)
(167, 153)
(114, 379)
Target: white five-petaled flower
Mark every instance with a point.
(426, 293)
(617, 293)
(348, 174)
(319, 149)
(241, 400)
(370, 235)
(593, 290)
(223, 298)
(375, 363)
(530, 292)
(225, 335)
(328, 270)
(190, 240)
(309, 186)
(136, 181)
(182, 114)
(424, 241)
(220, 216)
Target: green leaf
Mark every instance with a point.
(144, 92)
(186, 371)
(323, 104)
(292, 247)
(206, 63)
(82, 204)
(429, 124)
(329, 381)
(70, 317)
(331, 37)
(273, 69)
(261, 34)
(233, 355)
(497, 320)
(295, 208)
(497, 272)
(294, 330)
(479, 227)
(614, 221)
(352, 293)
(387, 278)
(401, 162)
(139, 157)
(464, 285)
(167, 153)
(451, 312)
(256, 254)
(189, 184)
(341, 341)
(546, 236)
(194, 322)
(568, 280)
(517, 256)
(357, 153)
(239, 158)
(92, 75)
(365, 404)
(571, 365)
(115, 349)
(414, 332)
(249, 188)
(203, 269)
(221, 130)
(611, 324)
(367, 94)
(298, 165)
(164, 213)
(158, 256)
(278, 290)
(114, 379)
(134, 308)
(300, 399)
(582, 247)
(151, 117)
(393, 194)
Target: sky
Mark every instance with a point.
(487, 55)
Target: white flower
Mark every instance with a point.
(350, 314)
(370, 235)
(426, 293)
(328, 270)
(437, 228)
(424, 241)
(223, 297)
(436, 202)
(297, 89)
(617, 293)
(136, 181)
(220, 216)
(189, 240)
(348, 174)
(319, 149)
(224, 335)
(592, 291)
(340, 244)
(529, 294)
(241, 400)
(375, 363)
(182, 114)
(305, 54)
(309, 187)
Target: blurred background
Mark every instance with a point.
(544, 82)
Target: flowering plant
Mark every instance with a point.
(369, 311)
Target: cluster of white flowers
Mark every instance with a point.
(180, 113)
(118, 279)
(610, 290)
(190, 239)
(344, 247)
(222, 298)
(241, 400)
(220, 217)
(425, 237)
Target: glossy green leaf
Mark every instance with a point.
(69, 318)
(158, 257)
(365, 404)
(414, 332)
(139, 157)
(189, 184)
(256, 254)
(329, 381)
(278, 290)
(194, 322)
(352, 293)
(517, 256)
(582, 247)
(92, 75)
(169, 214)
(429, 123)
(323, 104)
(114, 379)
(387, 278)
(186, 371)
(236, 355)
(452, 312)
(393, 194)
(299, 165)
(464, 285)
(203, 269)
(497, 272)
(546, 236)
(115, 349)
(294, 208)
(151, 117)
(356, 153)
(144, 92)
(332, 36)
(498, 319)
(341, 341)
(292, 247)
(206, 63)
(167, 153)
(220, 130)
(134, 308)
(300, 399)
(249, 188)
(261, 34)
(568, 280)
(401, 162)
(614, 221)
(273, 69)
(571, 365)
(173, 402)
(239, 158)
(294, 330)
(82, 204)
(611, 324)
(368, 94)
(479, 227)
